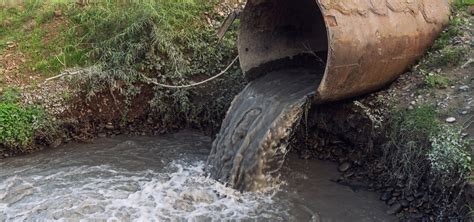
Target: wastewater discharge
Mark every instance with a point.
(126, 179)
(253, 141)
(162, 179)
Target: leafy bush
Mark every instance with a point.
(449, 155)
(18, 125)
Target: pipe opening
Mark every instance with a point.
(281, 34)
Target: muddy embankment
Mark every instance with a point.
(357, 134)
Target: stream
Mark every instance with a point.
(163, 179)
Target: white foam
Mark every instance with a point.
(179, 192)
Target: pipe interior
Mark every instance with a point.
(279, 34)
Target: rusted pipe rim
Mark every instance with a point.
(366, 44)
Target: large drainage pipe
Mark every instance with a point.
(365, 44)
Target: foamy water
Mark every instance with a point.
(106, 194)
(162, 179)
(177, 190)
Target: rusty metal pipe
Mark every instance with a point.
(365, 44)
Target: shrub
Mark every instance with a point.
(449, 155)
(19, 124)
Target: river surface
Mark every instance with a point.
(162, 179)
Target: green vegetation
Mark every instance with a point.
(452, 30)
(445, 52)
(408, 143)
(33, 29)
(173, 42)
(18, 124)
(170, 41)
(423, 153)
(463, 3)
(434, 80)
(10, 96)
(449, 157)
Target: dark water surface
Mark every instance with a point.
(162, 179)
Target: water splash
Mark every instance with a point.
(176, 191)
(252, 143)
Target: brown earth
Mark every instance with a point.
(13, 61)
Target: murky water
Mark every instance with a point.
(162, 179)
(252, 143)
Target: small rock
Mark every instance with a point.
(410, 198)
(392, 201)
(413, 103)
(102, 135)
(395, 208)
(109, 126)
(344, 166)
(386, 196)
(464, 112)
(450, 120)
(404, 203)
(410, 107)
(349, 174)
(464, 88)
